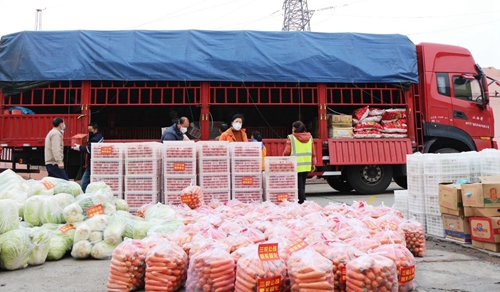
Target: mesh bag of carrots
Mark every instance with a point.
(127, 266)
(414, 236)
(371, 273)
(340, 253)
(405, 264)
(211, 269)
(192, 196)
(310, 271)
(166, 267)
(260, 267)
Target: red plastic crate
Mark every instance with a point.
(214, 181)
(247, 196)
(107, 150)
(142, 183)
(246, 165)
(277, 196)
(214, 165)
(212, 149)
(177, 184)
(179, 167)
(246, 181)
(280, 181)
(137, 199)
(106, 167)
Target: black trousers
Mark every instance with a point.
(55, 171)
(302, 177)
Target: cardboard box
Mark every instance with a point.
(456, 228)
(80, 139)
(339, 120)
(484, 194)
(495, 247)
(450, 199)
(340, 132)
(485, 229)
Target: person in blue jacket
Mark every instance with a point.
(177, 131)
(94, 137)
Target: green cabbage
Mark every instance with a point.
(81, 249)
(161, 212)
(113, 234)
(41, 188)
(57, 248)
(52, 226)
(121, 205)
(33, 209)
(102, 250)
(65, 186)
(40, 238)
(166, 227)
(73, 213)
(98, 222)
(9, 215)
(141, 229)
(95, 186)
(16, 249)
(82, 232)
(95, 237)
(53, 208)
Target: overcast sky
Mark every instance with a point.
(474, 24)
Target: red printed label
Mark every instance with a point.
(282, 197)
(269, 284)
(343, 274)
(179, 166)
(107, 150)
(65, 228)
(48, 185)
(247, 181)
(297, 245)
(406, 274)
(95, 210)
(268, 252)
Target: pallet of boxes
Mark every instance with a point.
(455, 220)
(481, 203)
(340, 126)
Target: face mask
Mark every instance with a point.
(184, 130)
(64, 127)
(237, 126)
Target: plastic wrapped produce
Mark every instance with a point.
(310, 270)
(211, 270)
(371, 272)
(127, 267)
(166, 267)
(415, 237)
(405, 264)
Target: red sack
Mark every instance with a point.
(367, 134)
(368, 126)
(395, 127)
(361, 113)
(376, 112)
(394, 114)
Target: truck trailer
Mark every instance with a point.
(133, 83)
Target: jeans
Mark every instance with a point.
(302, 177)
(54, 171)
(86, 179)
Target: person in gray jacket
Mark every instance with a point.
(177, 131)
(54, 150)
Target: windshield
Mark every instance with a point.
(468, 89)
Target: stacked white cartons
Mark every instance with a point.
(401, 201)
(475, 165)
(246, 171)
(280, 179)
(142, 174)
(415, 177)
(214, 174)
(179, 169)
(106, 165)
(490, 162)
(441, 168)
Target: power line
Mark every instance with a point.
(453, 28)
(250, 21)
(418, 17)
(230, 12)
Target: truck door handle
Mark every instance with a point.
(459, 115)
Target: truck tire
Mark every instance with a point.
(369, 179)
(401, 181)
(446, 150)
(339, 183)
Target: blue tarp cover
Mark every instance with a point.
(196, 55)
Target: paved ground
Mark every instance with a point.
(446, 267)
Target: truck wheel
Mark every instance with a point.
(369, 179)
(446, 150)
(401, 181)
(339, 183)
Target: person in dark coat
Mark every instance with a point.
(94, 137)
(177, 131)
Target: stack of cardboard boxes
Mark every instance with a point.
(471, 212)
(340, 126)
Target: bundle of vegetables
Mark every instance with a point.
(310, 270)
(49, 186)
(16, 249)
(235, 241)
(98, 236)
(87, 205)
(405, 264)
(166, 267)
(415, 237)
(61, 241)
(135, 227)
(160, 211)
(363, 243)
(371, 272)
(260, 268)
(40, 238)
(14, 187)
(43, 209)
(9, 217)
(211, 270)
(340, 253)
(127, 267)
(192, 196)
(253, 234)
(389, 236)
